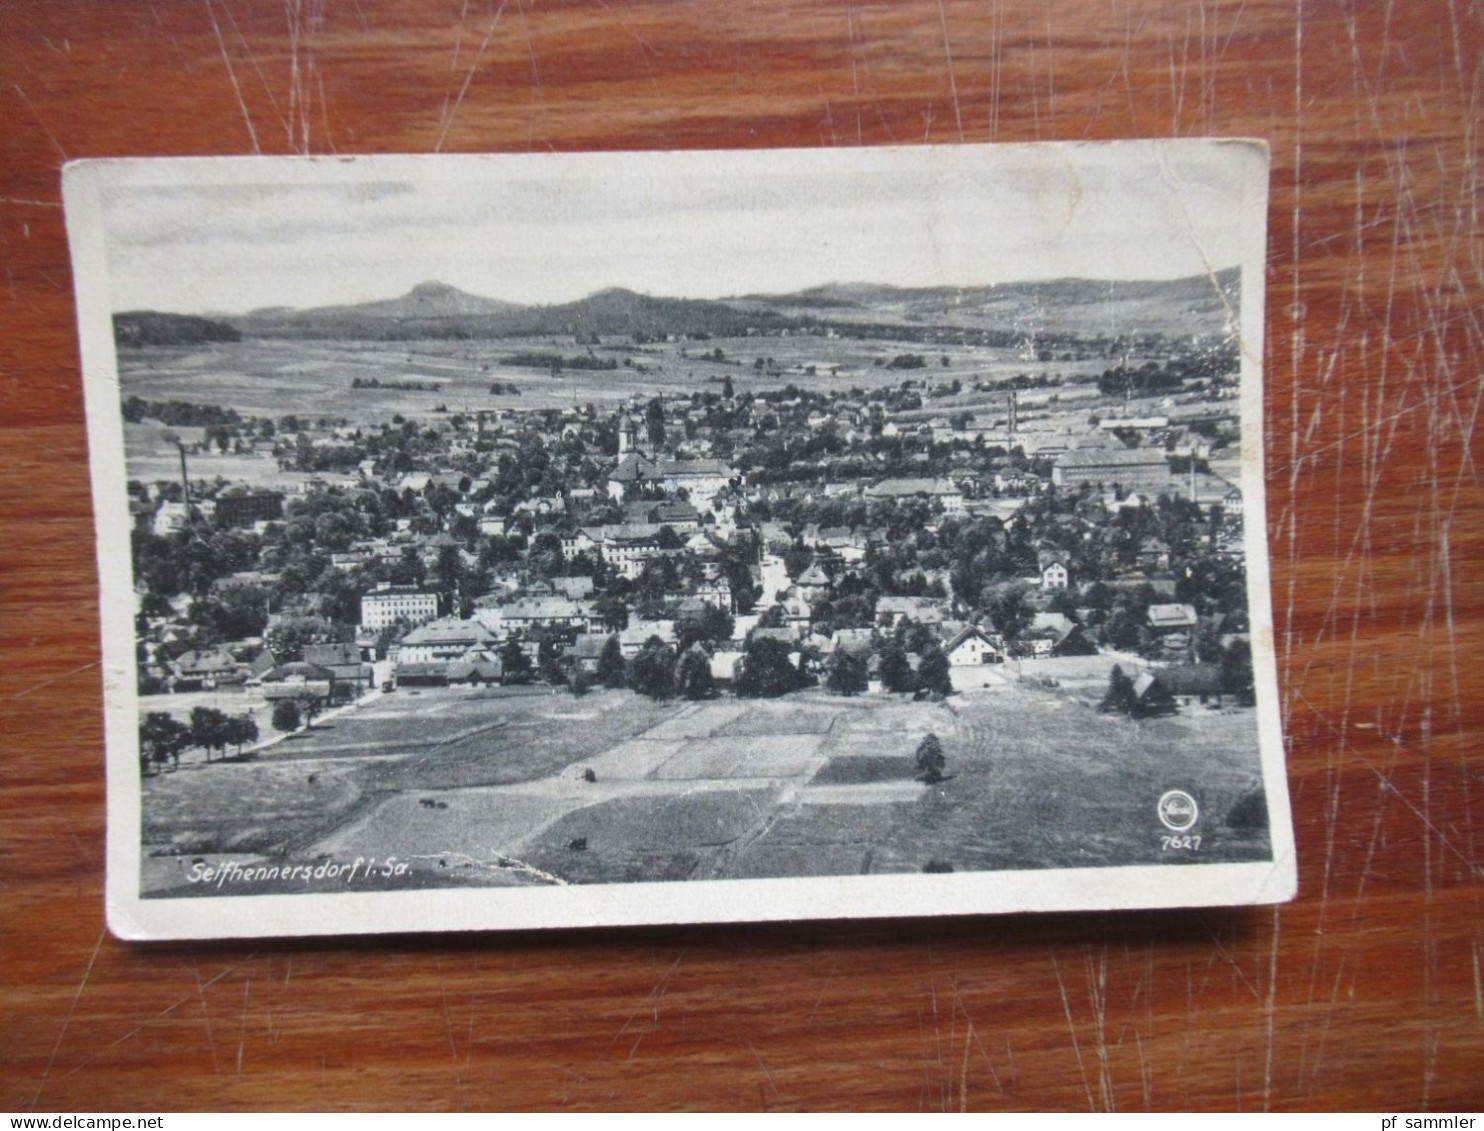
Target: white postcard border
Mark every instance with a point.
(323, 912)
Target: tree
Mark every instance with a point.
(240, 730)
(286, 717)
(1121, 698)
(1011, 612)
(610, 663)
(847, 673)
(549, 661)
(896, 673)
(515, 663)
(652, 671)
(545, 556)
(1236, 673)
(930, 759)
(694, 674)
(933, 674)
(236, 613)
(161, 739)
(654, 420)
(286, 639)
(1124, 630)
(209, 730)
(766, 671)
(772, 617)
(309, 707)
(613, 611)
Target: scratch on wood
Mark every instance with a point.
(449, 112)
(1478, 987)
(651, 999)
(1272, 1010)
(1097, 992)
(55, 679)
(538, 98)
(1072, 1029)
(830, 977)
(166, 1012)
(206, 1017)
(72, 1010)
(771, 1082)
(242, 1024)
(31, 106)
(958, 116)
(232, 74)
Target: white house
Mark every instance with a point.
(971, 654)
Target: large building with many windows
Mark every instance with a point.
(1133, 469)
(243, 508)
(387, 604)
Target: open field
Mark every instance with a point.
(150, 456)
(518, 788)
(259, 378)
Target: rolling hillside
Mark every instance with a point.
(1077, 307)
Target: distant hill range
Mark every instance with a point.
(1201, 304)
(149, 328)
(1061, 308)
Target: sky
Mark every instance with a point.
(232, 235)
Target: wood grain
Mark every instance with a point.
(1365, 993)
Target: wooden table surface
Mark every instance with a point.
(1364, 993)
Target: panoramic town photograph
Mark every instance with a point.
(677, 576)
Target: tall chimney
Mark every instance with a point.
(185, 480)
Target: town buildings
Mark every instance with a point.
(830, 519)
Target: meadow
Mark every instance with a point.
(501, 788)
(261, 377)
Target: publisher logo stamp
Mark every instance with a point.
(1178, 810)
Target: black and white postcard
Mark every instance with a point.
(559, 540)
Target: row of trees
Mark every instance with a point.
(767, 670)
(163, 738)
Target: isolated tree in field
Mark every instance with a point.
(933, 674)
(286, 716)
(694, 674)
(1121, 698)
(515, 663)
(766, 670)
(161, 739)
(652, 671)
(930, 760)
(896, 672)
(847, 673)
(610, 663)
